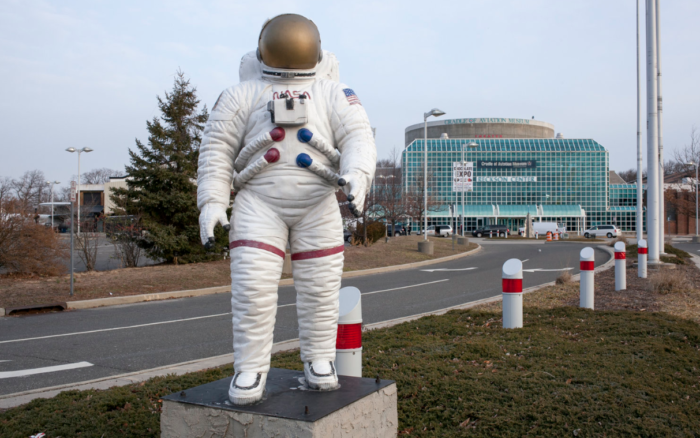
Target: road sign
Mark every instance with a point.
(73, 191)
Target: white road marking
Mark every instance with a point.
(5, 361)
(386, 290)
(526, 260)
(189, 319)
(404, 287)
(22, 373)
(547, 270)
(445, 269)
(114, 328)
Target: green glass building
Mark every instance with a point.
(553, 179)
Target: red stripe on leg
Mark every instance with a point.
(256, 244)
(318, 253)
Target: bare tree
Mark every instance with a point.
(415, 197)
(98, 176)
(30, 189)
(691, 151)
(388, 190)
(5, 193)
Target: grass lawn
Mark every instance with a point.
(23, 291)
(568, 372)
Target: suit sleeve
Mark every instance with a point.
(353, 134)
(221, 143)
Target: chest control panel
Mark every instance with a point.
(286, 111)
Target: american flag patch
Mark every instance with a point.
(352, 97)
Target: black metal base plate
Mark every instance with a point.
(284, 396)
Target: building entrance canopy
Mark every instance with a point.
(496, 211)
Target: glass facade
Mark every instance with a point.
(558, 180)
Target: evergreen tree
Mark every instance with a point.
(161, 188)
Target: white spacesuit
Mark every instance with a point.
(290, 136)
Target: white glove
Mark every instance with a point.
(355, 188)
(212, 213)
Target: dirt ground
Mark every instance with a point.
(639, 296)
(24, 291)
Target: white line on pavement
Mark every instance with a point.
(114, 328)
(21, 373)
(404, 287)
(385, 290)
(547, 270)
(189, 319)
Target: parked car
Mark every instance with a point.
(542, 228)
(440, 230)
(347, 235)
(397, 230)
(497, 230)
(602, 230)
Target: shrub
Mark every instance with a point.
(667, 282)
(30, 248)
(375, 231)
(564, 278)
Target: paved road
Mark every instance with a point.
(687, 246)
(121, 339)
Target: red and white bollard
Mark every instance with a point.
(490, 234)
(587, 292)
(512, 294)
(642, 252)
(506, 236)
(620, 267)
(536, 235)
(348, 344)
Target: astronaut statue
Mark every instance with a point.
(293, 134)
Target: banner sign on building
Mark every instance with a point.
(506, 179)
(507, 164)
(462, 176)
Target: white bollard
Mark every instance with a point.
(587, 292)
(642, 258)
(512, 286)
(490, 234)
(506, 234)
(348, 345)
(536, 235)
(620, 267)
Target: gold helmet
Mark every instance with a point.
(290, 41)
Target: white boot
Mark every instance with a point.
(247, 388)
(320, 374)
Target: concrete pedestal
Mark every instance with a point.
(426, 247)
(462, 241)
(360, 408)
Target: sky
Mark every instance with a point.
(87, 73)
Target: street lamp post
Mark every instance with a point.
(435, 113)
(51, 184)
(693, 163)
(79, 151)
(472, 145)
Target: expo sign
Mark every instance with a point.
(462, 176)
(508, 179)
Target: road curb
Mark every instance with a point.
(142, 298)
(11, 400)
